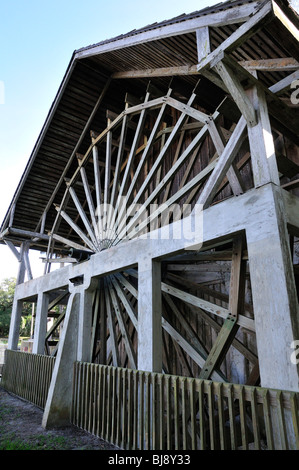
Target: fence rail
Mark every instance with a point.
(141, 410)
(28, 375)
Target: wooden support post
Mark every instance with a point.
(22, 267)
(40, 329)
(149, 316)
(103, 325)
(274, 296)
(261, 142)
(85, 322)
(15, 321)
(58, 405)
(203, 43)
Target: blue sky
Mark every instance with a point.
(37, 39)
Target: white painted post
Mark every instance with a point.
(85, 322)
(274, 295)
(261, 142)
(40, 328)
(149, 316)
(14, 329)
(58, 406)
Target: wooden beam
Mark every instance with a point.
(77, 229)
(285, 83)
(203, 43)
(285, 64)
(236, 89)
(70, 243)
(158, 72)
(262, 65)
(232, 175)
(244, 32)
(223, 164)
(243, 321)
(83, 217)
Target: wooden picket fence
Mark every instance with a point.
(134, 409)
(28, 375)
(140, 410)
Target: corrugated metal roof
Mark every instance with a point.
(178, 19)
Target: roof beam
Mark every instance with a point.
(157, 72)
(286, 64)
(237, 14)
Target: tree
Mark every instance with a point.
(7, 289)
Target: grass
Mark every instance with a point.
(37, 442)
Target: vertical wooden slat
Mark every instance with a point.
(168, 412)
(147, 411)
(295, 416)
(99, 402)
(108, 403)
(281, 420)
(192, 413)
(161, 411)
(104, 403)
(255, 423)
(86, 397)
(154, 410)
(176, 412)
(141, 424)
(243, 425)
(95, 399)
(184, 413)
(91, 399)
(135, 409)
(118, 414)
(201, 415)
(129, 408)
(113, 405)
(211, 415)
(267, 420)
(221, 419)
(232, 421)
(124, 407)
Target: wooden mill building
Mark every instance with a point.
(163, 189)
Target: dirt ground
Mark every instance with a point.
(20, 429)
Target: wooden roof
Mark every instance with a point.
(100, 76)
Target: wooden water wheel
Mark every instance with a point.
(145, 170)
